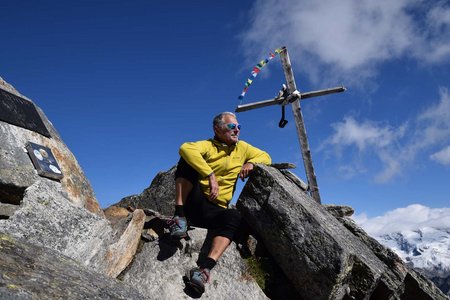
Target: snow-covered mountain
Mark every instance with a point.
(419, 235)
(427, 248)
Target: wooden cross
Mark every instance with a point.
(293, 96)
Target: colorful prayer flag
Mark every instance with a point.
(257, 69)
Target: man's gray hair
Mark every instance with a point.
(218, 120)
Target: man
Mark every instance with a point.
(205, 182)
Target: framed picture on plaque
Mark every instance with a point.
(44, 161)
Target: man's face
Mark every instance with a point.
(226, 135)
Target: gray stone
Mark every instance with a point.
(295, 179)
(322, 258)
(58, 235)
(18, 173)
(121, 253)
(442, 282)
(47, 218)
(7, 210)
(159, 196)
(281, 166)
(339, 211)
(158, 270)
(32, 272)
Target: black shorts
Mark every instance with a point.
(203, 213)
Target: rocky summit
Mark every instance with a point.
(324, 254)
(56, 243)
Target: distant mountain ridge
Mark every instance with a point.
(426, 249)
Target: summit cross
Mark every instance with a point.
(293, 96)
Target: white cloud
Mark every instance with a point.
(350, 171)
(392, 166)
(369, 138)
(348, 36)
(434, 123)
(396, 148)
(350, 132)
(438, 33)
(410, 218)
(442, 156)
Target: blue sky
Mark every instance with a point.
(126, 83)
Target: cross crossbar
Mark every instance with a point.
(280, 100)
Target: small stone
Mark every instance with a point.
(284, 165)
(339, 211)
(7, 210)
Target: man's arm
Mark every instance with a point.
(253, 156)
(257, 156)
(192, 153)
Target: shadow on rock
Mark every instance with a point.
(157, 224)
(168, 247)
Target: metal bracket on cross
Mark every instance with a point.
(290, 94)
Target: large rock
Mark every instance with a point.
(52, 223)
(159, 268)
(120, 254)
(18, 173)
(48, 219)
(29, 271)
(322, 258)
(159, 196)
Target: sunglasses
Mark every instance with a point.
(232, 126)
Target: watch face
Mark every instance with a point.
(38, 154)
(54, 169)
(43, 153)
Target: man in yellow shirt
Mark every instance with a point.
(205, 181)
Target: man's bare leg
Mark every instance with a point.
(198, 277)
(182, 189)
(218, 246)
(178, 227)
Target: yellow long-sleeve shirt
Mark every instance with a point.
(225, 161)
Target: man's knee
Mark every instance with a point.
(233, 217)
(185, 171)
(227, 223)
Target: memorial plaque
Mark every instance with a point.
(44, 161)
(21, 112)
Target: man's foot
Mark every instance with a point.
(178, 227)
(198, 278)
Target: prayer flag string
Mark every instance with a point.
(256, 71)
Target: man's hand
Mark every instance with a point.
(213, 187)
(245, 171)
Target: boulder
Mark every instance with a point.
(159, 196)
(7, 210)
(322, 258)
(47, 219)
(121, 253)
(339, 211)
(160, 266)
(30, 271)
(154, 267)
(16, 168)
(56, 242)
